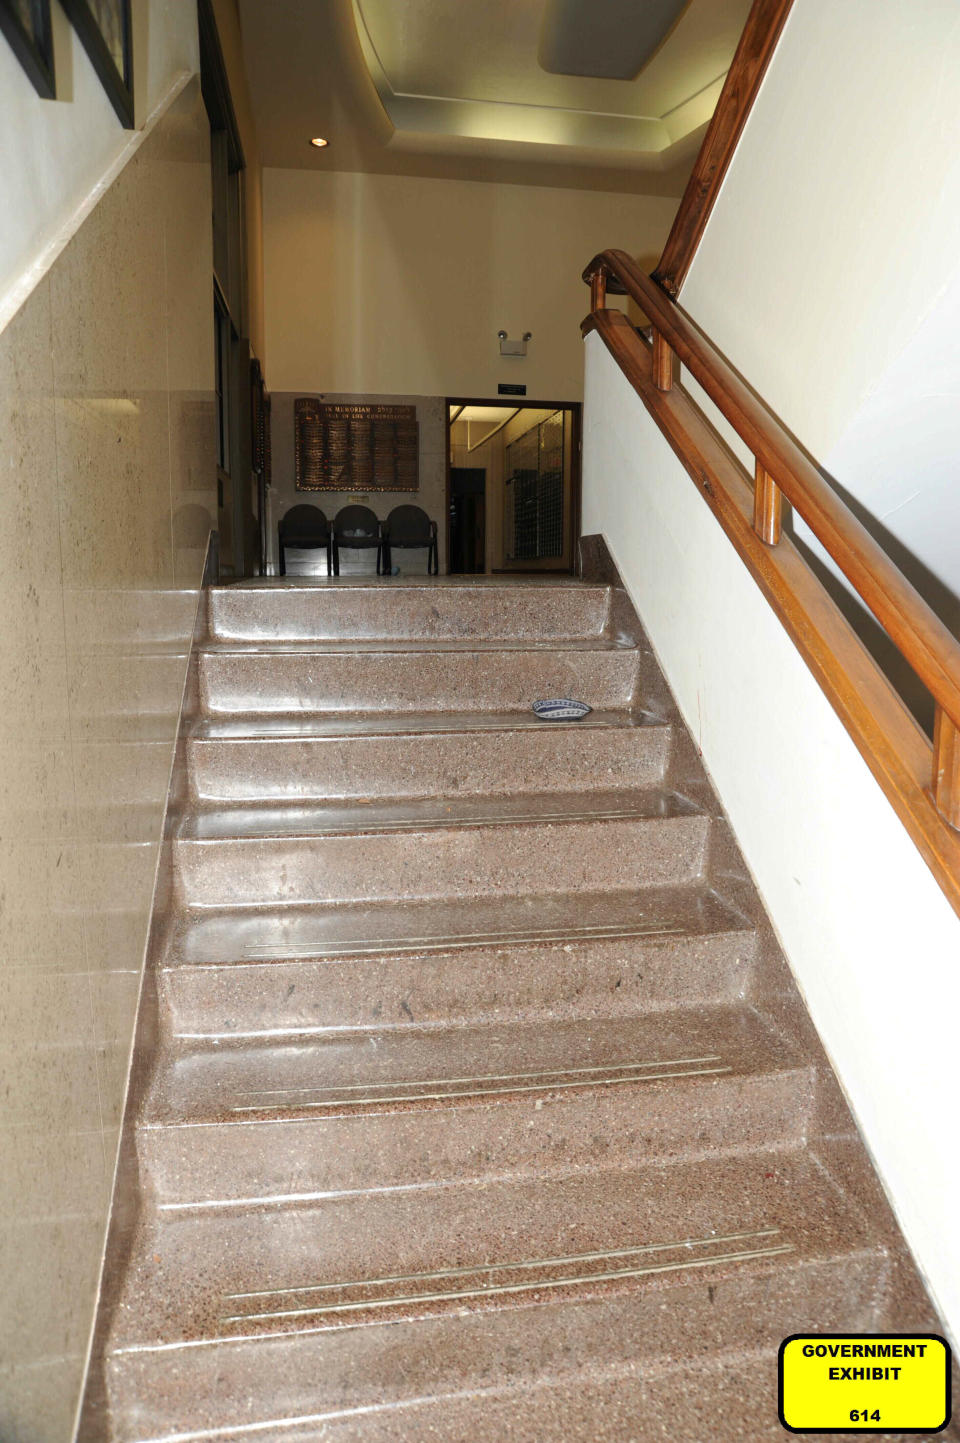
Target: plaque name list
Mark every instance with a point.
(355, 447)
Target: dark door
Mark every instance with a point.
(468, 518)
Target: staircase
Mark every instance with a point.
(483, 1107)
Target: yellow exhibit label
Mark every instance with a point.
(864, 1383)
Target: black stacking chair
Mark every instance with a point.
(305, 527)
(356, 527)
(409, 526)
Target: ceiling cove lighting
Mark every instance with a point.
(319, 142)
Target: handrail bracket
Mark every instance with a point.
(767, 507)
(946, 767)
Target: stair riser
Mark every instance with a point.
(443, 862)
(452, 681)
(532, 1134)
(392, 613)
(595, 978)
(428, 764)
(311, 1374)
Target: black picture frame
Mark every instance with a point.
(28, 29)
(114, 66)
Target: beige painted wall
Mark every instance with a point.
(108, 463)
(398, 284)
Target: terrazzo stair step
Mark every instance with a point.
(466, 1119)
(295, 971)
(397, 676)
(417, 1107)
(421, 754)
(393, 609)
(730, 1397)
(235, 1317)
(435, 849)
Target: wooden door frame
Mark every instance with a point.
(523, 403)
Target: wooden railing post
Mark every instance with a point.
(598, 290)
(662, 363)
(767, 507)
(946, 767)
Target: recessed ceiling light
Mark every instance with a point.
(319, 142)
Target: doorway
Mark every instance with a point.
(468, 519)
(513, 488)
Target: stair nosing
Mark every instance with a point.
(688, 811)
(556, 1094)
(401, 646)
(641, 721)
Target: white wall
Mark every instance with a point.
(829, 272)
(900, 451)
(873, 943)
(399, 284)
(58, 155)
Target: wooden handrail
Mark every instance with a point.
(783, 467)
(747, 69)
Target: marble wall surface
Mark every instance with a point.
(108, 493)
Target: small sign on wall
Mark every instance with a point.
(355, 447)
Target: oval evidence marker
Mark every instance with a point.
(561, 708)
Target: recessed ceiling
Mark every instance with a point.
(455, 69)
(452, 88)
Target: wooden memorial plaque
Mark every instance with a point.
(341, 447)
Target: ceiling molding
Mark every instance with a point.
(642, 137)
(310, 74)
(506, 120)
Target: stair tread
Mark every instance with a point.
(200, 1273)
(256, 726)
(416, 1067)
(212, 936)
(219, 821)
(721, 1398)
